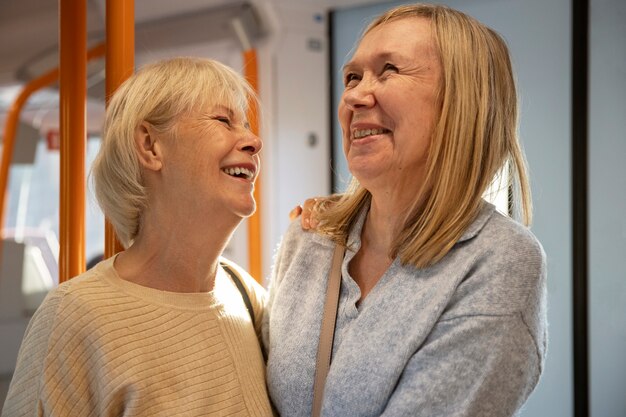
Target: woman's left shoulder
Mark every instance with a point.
(248, 281)
(505, 237)
(504, 271)
(256, 292)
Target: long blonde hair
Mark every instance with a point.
(474, 138)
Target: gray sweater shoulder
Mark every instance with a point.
(295, 240)
(507, 278)
(506, 270)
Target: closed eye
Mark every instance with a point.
(389, 67)
(223, 119)
(350, 79)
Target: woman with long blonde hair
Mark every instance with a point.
(441, 310)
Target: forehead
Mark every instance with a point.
(227, 102)
(212, 88)
(207, 112)
(410, 37)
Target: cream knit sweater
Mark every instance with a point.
(102, 346)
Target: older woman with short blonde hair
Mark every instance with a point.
(167, 326)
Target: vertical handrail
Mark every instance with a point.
(73, 135)
(254, 222)
(120, 64)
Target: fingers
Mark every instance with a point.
(309, 214)
(310, 211)
(295, 212)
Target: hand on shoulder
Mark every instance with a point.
(311, 209)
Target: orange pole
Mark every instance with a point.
(120, 64)
(73, 134)
(254, 222)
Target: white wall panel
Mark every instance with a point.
(607, 208)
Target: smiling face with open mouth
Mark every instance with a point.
(389, 106)
(213, 162)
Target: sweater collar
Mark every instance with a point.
(484, 214)
(354, 236)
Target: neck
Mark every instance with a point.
(386, 217)
(380, 225)
(176, 256)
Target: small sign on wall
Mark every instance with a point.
(53, 140)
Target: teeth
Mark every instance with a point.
(366, 132)
(239, 170)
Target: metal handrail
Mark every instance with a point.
(120, 64)
(73, 136)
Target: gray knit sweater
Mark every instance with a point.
(464, 337)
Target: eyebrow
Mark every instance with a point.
(231, 112)
(382, 56)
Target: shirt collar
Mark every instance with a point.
(484, 214)
(354, 236)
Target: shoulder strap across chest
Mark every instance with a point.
(244, 294)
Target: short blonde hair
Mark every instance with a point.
(159, 94)
(474, 138)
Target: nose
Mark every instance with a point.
(360, 96)
(250, 143)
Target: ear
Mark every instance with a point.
(148, 149)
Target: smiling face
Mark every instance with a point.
(211, 162)
(389, 106)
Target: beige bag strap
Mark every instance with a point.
(327, 332)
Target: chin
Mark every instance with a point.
(247, 210)
(365, 168)
(248, 213)
(365, 174)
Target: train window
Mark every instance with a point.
(33, 208)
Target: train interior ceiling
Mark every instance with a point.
(301, 46)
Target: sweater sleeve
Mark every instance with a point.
(470, 366)
(291, 242)
(24, 397)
